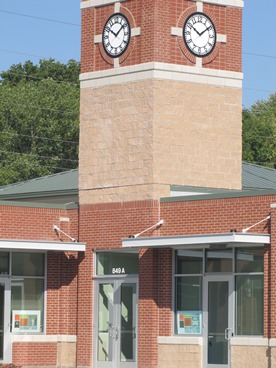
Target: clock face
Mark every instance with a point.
(116, 35)
(199, 34)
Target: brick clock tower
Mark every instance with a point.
(161, 97)
(161, 104)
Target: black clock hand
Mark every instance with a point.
(119, 31)
(207, 29)
(113, 33)
(196, 31)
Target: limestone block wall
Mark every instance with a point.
(250, 357)
(139, 137)
(176, 356)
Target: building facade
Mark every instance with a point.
(164, 259)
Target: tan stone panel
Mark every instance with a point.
(66, 355)
(179, 356)
(159, 132)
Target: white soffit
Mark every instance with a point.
(196, 241)
(29, 245)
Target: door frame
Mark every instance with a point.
(7, 346)
(117, 282)
(213, 278)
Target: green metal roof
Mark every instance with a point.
(62, 188)
(258, 177)
(56, 188)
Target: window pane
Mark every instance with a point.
(27, 264)
(112, 263)
(249, 305)
(189, 293)
(189, 261)
(4, 263)
(219, 260)
(188, 300)
(250, 260)
(28, 295)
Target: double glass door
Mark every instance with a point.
(218, 320)
(115, 324)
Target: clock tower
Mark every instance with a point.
(161, 97)
(161, 104)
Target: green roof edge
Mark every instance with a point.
(61, 206)
(234, 194)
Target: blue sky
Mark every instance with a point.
(28, 38)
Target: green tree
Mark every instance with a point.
(39, 120)
(259, 132)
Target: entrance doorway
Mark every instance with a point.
(5, 343)
(115, 342)
(218, 320)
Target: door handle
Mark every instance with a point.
(116, 332)
(227, 334)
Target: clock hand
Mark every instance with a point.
(207, 29)
(196, 31)
(119, 31)
(113, 33)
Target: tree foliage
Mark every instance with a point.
(39, 120)
(259, 132)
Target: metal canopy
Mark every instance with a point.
(29, 245)
(196, 241)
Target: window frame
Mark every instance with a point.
(44, 278)
(204, 274)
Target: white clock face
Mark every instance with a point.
(116, 35)
(199, 34)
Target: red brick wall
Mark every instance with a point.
(103, 226)
(35, 223)
(35, 354)
(221, 216)
(155, 18)
(29, 223)
(215, 216)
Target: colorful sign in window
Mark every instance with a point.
(189, 322)
(25, 321)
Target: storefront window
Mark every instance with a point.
(219, 260)
(27, 292)
(116, 263)
(194, 267)
(249, 291)
(188, 289)
(4, 263)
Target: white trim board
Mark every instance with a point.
(161, 71)
(30, 245)
(97, 3)
(198, 241)
(36, 338)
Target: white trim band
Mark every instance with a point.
(234, 3)
(97, 3)
(43, 338)
(161, 71)
(30, 245)
(197, 241)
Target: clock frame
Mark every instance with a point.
(199, 34)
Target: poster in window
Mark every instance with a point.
(25, 321)
(189, 322)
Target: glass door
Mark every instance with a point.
(5, 343)
(115, 327)
(218, 320)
